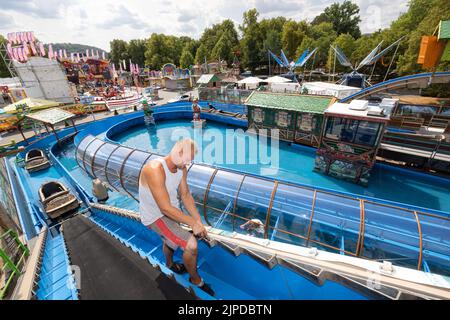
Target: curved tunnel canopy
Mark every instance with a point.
(290, 213)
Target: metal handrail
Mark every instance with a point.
(14, 267)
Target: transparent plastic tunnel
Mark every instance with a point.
(288, 213)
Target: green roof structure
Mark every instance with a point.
(293, 102)
(207, 78)
(444, 30)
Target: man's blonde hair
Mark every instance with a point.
(184, 145)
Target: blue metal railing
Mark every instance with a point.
(396, 80)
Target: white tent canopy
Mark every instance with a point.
(329, 89)
(277, 79)
(250, 80)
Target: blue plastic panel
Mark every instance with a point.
(101, 157)
(253, 201)
(114, 165)
(132, 169)
(336, 222)
(198, 179)
(90, 152)
(436, 243)
(82, 147)
(222, 195)
(291, 212)
(390, 234)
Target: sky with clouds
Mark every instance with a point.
(96, 22)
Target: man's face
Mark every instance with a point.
(184, 157)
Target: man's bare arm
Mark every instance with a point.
(155, 178)
(186, 197)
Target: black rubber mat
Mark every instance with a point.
(110, 270)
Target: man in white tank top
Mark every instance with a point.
(160, 183)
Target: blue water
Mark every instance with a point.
(295, 165)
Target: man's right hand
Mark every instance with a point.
(199, 230)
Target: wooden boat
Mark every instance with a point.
(57, 199)
(36, 160)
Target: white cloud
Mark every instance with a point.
(378, 14)
(120, 17)
(100, 21)
(280, 6)
(48, 9)
(6, 20)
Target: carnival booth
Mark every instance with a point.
(175, 78)
(155, 78)
(350, 140)
(297, 117)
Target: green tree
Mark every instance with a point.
(271, 31)
(272, 42)
(220, 40)
(162, 49)
(4, 73)
(252, 40)
(344, 17)
(191, 46)
(429, 14)
(321, 37)
(420, 19)
(292, 36)
(187, 59)
(201, 55)
(320, 18)
(348, 45)
(136, 51)
(223, 49)
(119, 51)
(308, 43)
(156, 53)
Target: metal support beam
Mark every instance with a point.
(269, 209)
